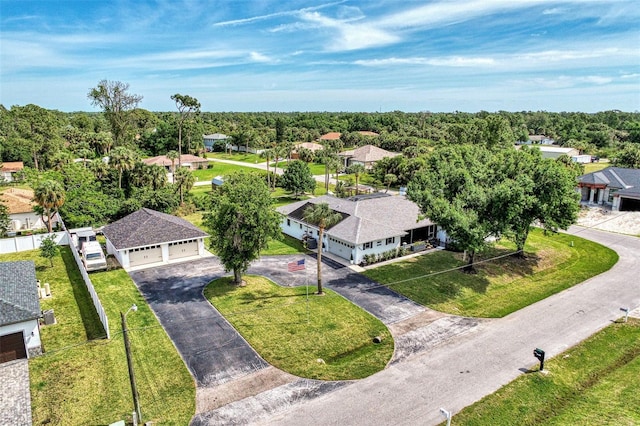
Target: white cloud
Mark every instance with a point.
(259, 57)
(554, 11)
(454, 61)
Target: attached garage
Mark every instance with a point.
(148, 237)
(180, 249)
(12, 347)
(19, 311)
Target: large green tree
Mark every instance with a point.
(183, 181)
(455, 192)
(122, 159)
(357, 170)
(5, 222)
(50, 196)
(241, 221)
(187, 106)
(114, 99)
(297, 178)
(323, 217)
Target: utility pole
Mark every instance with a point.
(132, 377)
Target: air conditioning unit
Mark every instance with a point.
(49, 318)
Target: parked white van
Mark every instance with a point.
(93, 257)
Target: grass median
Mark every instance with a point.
(594, 383)
(325, 338)
(82, 378)
(554, 262)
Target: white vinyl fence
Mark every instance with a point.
(63, 238)
(92, 291)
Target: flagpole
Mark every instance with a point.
(306, 283)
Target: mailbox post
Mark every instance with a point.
(539, 353)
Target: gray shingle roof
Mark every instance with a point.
(614, 177)
(149, 227)
(367, 219)
(18, 292)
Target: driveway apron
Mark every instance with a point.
(212, 349)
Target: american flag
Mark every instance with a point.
(295, 266)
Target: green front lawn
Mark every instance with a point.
(221, 169)
(237, 156)
(554, 263)
(81, 381)
(594, 383)
(326, 338)
(287, 245)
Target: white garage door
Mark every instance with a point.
(183, 249)
(340, 248)
(145, 255)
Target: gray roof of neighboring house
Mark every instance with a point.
(148, 227)
(368, 154)
(367, 219)
(626, 180)
(18, 292)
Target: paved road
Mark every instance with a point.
(210, 347)
(464, 370)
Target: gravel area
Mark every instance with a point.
(607, 220)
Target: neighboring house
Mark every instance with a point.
(616, 187)
(19, 311)
(9, 169)
(149, 237)
(332, 136)
(370, 224)
(537, 140)
(20, 204)
(312, 146)
(193, 162)
(366, 155)
(210, 140)
(556, 151)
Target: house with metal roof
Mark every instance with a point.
(148, 238)
(616, 187)
(19, 311)
(371, 224)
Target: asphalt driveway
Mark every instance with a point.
(211, 348)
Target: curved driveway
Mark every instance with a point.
(464, 370)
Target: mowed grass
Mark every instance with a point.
(81, 381)
(221, 169)
(594, 167)
(327, 338)
(594, 383)
(553, 263)
(237, 156)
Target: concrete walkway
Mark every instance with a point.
(15, 398)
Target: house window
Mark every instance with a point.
(300, 225)
(391, 240)
(379, 243)
(367, 245)
(288, 222)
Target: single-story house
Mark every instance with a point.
(19, 311)
(366, 155)
(193, 162)
(332, 136)
(616, 187)
(20, 205)
(371, 224)
(149, 237)
(556, 151)
(537, 140)
(8, 170)
(312, 146)
(210, 140)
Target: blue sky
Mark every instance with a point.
(351, 55)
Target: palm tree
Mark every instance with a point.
(184, 180)
(49, 195)
(356, 169)
(173, 156)
(268, 154)
(157, 176)
(323, 217)
(122, 159)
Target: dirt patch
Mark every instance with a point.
(607, 220)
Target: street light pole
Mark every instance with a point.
(132, 377)
(447, 414)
